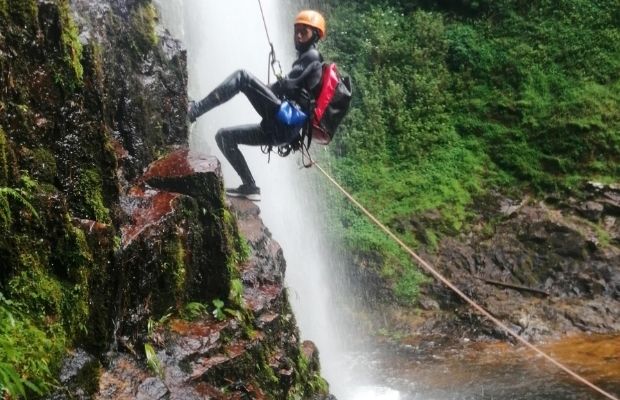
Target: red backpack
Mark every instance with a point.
(331, 105)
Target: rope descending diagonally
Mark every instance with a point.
(467, 299)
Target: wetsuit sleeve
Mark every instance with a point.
(299, 82)
(305, 74)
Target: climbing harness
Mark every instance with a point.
(456, 290)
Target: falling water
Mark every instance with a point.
(222, 37)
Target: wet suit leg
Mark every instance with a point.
(229, 139)
(266, 104)
(264, 101)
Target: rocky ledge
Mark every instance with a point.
(242, 345)
(546, 268)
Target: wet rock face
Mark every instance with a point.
(552, 249)
(253, 353)
(91, 96)
(176, 247)
(141, 78)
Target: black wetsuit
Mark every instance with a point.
(300, 85)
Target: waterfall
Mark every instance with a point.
(222, 37)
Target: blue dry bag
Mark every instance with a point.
(291, 115)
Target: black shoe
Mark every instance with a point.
(249, 192)
(192, 111)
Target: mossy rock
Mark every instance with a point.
(40, 164)
(72, 47)
(4, 10)
(25, 12)
(4, 159)
(39, 292)
(88, 196)
(143, 22)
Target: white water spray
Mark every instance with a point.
(222, 37)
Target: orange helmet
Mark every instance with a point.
(313, 19)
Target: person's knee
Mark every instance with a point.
(243, 76)
(224, 142)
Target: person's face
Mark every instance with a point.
(303, 33)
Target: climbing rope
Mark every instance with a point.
(455, 289)
(271, 63)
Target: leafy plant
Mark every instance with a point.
(218, 311)
(7, 193)
(27, 353)
(194, 310)
(236, 292)
(152, 361)
(152, 325)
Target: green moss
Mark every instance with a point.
(5, 209)
(72, 254)
(40, 163)
(239, 248)
(40, 294)
(309, 381)
(71, 42)
(175, 268)
(143, 24)
(75, 308)
(24, 11)
(47, 296)
(4, 159)
(266, 373)
(4, 9)
(91, 193)
(17, 197)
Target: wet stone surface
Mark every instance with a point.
(252, 357)
(553, 247)
(190, 173)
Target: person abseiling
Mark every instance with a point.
(300, 86)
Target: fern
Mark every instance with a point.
(7, 193)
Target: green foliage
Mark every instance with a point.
(218, 310)
(455, 98)
(19, 197)
(194, 310)
(152, 361)
(28, 354)
(539, 90)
